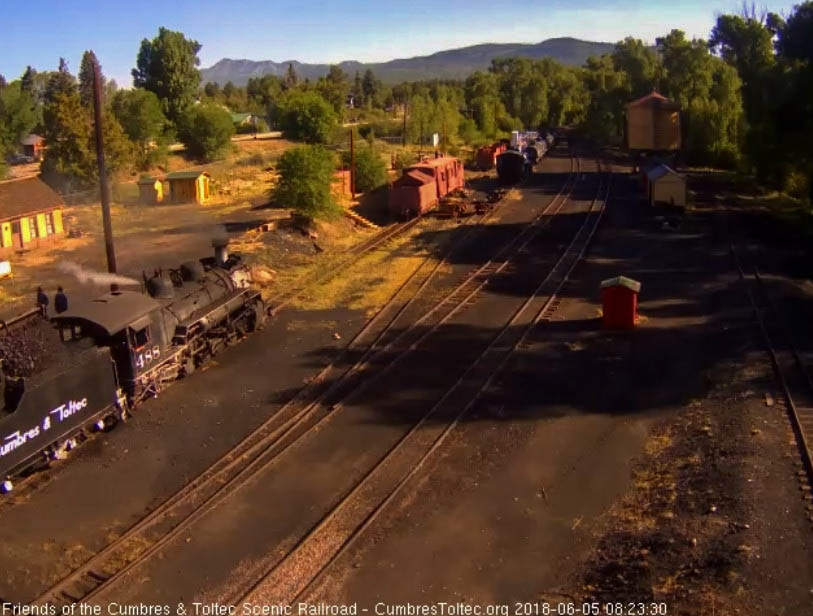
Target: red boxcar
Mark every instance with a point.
(423, 184)
(487, 155)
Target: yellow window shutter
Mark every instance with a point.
(58, 221)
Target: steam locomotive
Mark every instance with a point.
(121, 348)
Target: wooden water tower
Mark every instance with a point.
(653, 125)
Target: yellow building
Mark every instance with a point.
(30, 214)
(188, 186)
(653, 124)
(665, 185)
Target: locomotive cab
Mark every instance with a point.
(125, 321)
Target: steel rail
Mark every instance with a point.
(570, 256)
(794, 415)
(229, 461)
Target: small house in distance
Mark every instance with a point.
(150, 191)
(653, 124)
(189, 186)
(33, 146)
(30, 214)
(665, 185)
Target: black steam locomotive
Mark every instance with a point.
(121, 348)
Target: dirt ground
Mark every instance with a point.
(646, 469)
(151, 237)
(628, 467)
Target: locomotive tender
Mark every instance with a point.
(121, 348)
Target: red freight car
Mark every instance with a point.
(423, 184)
(487, 155)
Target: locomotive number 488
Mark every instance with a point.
(146, 357)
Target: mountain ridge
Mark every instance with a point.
(445, 64)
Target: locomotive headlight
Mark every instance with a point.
(6, 486)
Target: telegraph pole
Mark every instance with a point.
(104, 184)
(352, 165)
(405, 118)
(420, 147)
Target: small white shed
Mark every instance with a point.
(665, 185)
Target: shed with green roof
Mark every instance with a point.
(189, 186)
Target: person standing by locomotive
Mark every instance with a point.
(60, 301)
(42, 301)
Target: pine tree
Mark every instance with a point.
(86, 78)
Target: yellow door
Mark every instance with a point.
(58, 221)
(6, 234)
(25, 230)
(42, 228)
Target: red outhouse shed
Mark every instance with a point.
(619, 299)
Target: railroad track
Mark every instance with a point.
(279, 301)
(295, 574)
(793, 372)
(313, 405)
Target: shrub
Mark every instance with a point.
(249, 129)
(470, 134)
(306, 116)
(796, 184)
(206, 131)
(404, 158)
(371, 169)
(306, 175)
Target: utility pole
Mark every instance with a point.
(104, 184)
(443, 139)
(352, 165)
(420, 147)
(405, 119)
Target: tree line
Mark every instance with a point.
(745, 95)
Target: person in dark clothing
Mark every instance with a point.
(42, 301)
(60, 301)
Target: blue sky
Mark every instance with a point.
(38, 32)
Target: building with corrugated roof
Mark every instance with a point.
(653, 124)
(30, 214)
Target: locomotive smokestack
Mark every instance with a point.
(221, 246)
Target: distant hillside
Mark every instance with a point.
(450, 64)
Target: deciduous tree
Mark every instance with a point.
(168, 66)
(306, 177)
(206, 130)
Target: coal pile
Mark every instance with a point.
(27, 348)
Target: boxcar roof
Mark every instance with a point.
(26, 196)
(112, 312)
(436, 162)
(413, 177)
